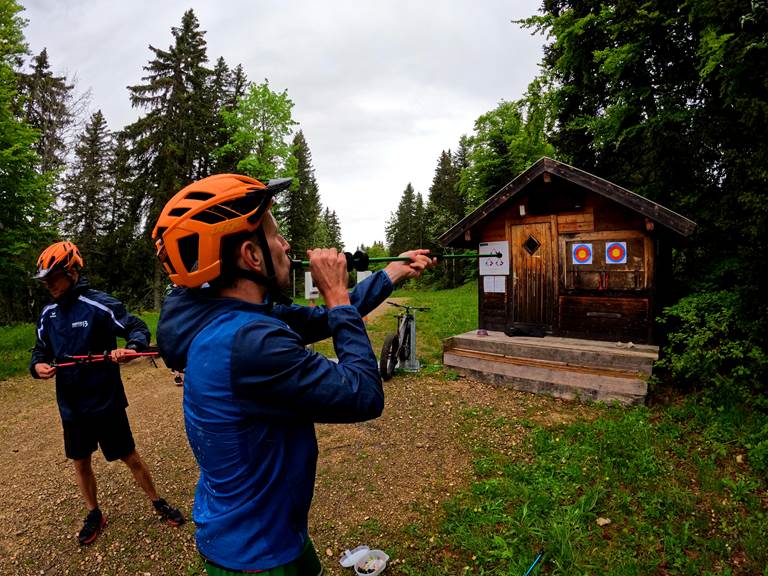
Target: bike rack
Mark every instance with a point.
(412, 363)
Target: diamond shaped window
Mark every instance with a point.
(531, 245)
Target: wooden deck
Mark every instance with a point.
(563, 367)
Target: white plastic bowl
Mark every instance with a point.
(371, 563)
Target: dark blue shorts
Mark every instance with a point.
(111, 432)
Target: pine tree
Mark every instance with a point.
(445, 207)
(47, 109)
(332, 230)
(87, 188)
(238, 85)
(178, 99)
(402, 230)
(227, 88)
(123, 250)
(171, 143)
(303, 209)
(419, 223)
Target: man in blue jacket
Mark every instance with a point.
(252, 390)
(91, 398)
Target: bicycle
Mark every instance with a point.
(400, 346)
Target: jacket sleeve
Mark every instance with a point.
(275, 377)
(311, 322)
(128, 326)
(42, 352)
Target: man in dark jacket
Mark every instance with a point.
(90, 395)
(252, 390)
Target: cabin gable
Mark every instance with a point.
(584, 255)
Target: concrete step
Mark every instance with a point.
(637, 358)
(543, 377)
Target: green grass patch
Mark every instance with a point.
(633, 492)
(17, 341)
(451, 312)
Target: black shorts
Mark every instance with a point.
(111, 432)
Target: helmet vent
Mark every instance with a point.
(199, 196)
(189, 252)
(178, 211)
(244, 205)
(208, 216)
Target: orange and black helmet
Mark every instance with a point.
(193, 223)
(60, 256)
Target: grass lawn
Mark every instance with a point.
(17, 341)
(674, 489)
(632, 492)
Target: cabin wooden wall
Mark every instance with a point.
(597, 301)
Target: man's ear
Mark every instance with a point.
(250, 256)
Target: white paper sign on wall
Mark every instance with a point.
(362, 275)
(490, 266)
(310, 290)
(494, 284)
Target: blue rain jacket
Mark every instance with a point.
(252, 393)
(85, 321)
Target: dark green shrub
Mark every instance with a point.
(714, 348)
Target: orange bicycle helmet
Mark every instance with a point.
(60, 256)
(190, 229)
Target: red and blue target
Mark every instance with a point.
(616, 252)
(581, 253)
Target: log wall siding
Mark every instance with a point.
(601, 301)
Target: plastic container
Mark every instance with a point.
(372, 563)
(366, 562)
(351, 557)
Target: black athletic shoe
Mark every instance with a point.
(168, 513)
(92, 526)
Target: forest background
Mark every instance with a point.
(669, 100)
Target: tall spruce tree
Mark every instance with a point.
(329, 232)
(47, 109)
(87, 189)
(228, 87)
(445, 207)
(24, 196)
(302, 213)
(170, 141)
(402, 230)
(123, 271)
(167, 140)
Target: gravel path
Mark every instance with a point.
(374, 478)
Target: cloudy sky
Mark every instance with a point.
(379, 87)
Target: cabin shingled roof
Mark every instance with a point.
(656, 212)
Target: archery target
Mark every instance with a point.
(581, 254)
(616, 252)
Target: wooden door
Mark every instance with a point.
(532, 297)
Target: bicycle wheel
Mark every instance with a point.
(388, 358)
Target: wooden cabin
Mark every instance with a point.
(583, 259)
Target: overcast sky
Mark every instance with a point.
(380, 87)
